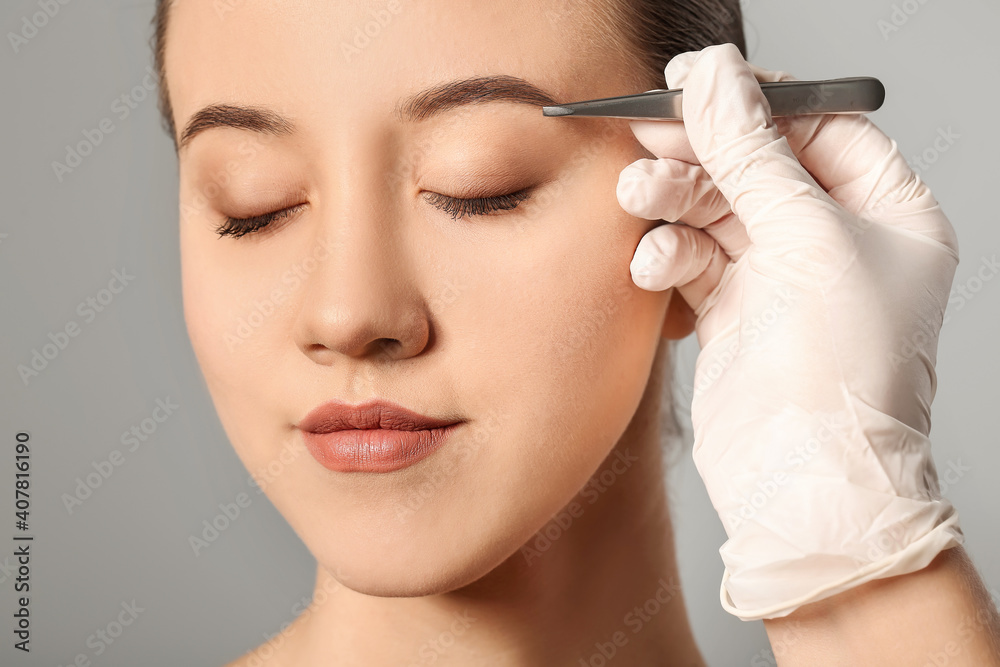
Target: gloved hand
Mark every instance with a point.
(818, 308)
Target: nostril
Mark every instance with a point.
(387, 348)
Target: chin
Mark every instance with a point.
(409, 574)
(437, 551)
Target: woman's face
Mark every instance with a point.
(524, 323)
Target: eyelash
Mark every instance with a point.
(456, 207)
(477, 206)
(237, 227)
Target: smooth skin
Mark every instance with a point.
(526, 324)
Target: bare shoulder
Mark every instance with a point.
(268, 654)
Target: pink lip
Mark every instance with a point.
(377, 436)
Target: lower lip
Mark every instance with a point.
(374, 450)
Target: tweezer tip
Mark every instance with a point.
(557, 111)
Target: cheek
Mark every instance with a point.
(583, 325)
(559, 332)
(591, 323)
(230, 317)
(209, 303)
(199, 293)
(235, 330)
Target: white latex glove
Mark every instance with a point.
(818, 310)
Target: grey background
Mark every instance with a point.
(60, 242)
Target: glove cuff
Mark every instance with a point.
(916, 556)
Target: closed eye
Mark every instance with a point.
(237, 227)
(458, 207)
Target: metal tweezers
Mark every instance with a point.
(787, 98)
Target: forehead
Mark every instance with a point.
(317, 57)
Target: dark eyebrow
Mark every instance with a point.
(422, 105)
(474, 90)
(255, 119)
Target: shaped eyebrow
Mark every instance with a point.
(474, 90)
(438, 99)
(255, 119)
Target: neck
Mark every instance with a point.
(598, 583)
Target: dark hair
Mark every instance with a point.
(654, 31)
(158, 43)
(657, 30)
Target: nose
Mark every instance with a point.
(361, 302)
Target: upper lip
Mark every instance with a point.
(340, 416)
